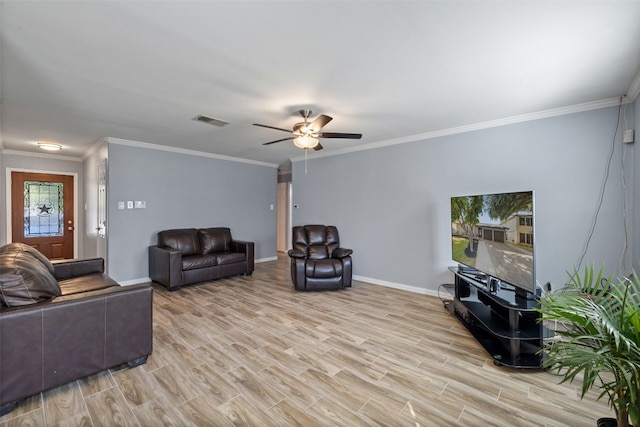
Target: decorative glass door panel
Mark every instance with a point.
(42, 212)
(43, 209)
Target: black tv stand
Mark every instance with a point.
(503, 321)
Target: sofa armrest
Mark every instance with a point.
(246, 248)
(67, 269)
(165, 266)
(341, 253)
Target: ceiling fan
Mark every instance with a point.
(306, 134)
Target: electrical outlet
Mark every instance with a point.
(628, 136)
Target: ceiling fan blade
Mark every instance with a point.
(278, 140)
(318, 147)
(272, 127)
(340, 135)
(319, 123)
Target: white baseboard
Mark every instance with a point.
(273, 258)
(134, 281)
(148, 279)
(400, 286)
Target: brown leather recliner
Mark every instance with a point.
(318, 263)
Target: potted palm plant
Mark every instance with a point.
(599, 340)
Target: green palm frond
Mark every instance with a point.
(603, 337)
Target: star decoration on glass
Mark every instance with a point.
(44, 208)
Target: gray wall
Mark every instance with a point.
(633, 123)
(183, 190)
(42, 164)
(392, 204)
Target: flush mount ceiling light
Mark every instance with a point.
(49, 146)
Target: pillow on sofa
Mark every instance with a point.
(31, 250)
(215, 240)
(24, 279)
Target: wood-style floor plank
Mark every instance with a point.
(251, 351)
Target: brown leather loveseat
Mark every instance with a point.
(189, 255)
(63, 321)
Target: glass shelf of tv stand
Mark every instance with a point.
(505, 324)
(505, 295)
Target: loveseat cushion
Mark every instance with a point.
(214, 240)
(198, 261)
(24, 279)
(185, 240)
(230, 258)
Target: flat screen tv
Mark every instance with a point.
(494, 234)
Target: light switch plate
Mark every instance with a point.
(129, 204)
(120, 205)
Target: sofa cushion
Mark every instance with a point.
(230, 258)
(24, 279)
(194, 262)
(214, 240)
(184, 240)
(87, 283)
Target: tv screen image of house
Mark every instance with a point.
(494, 234)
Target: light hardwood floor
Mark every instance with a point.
(250, 351)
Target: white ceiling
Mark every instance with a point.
(75, 71)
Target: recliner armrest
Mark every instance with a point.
(67, 269)
(295, 253)
(341, 253)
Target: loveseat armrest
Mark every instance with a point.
(247, 248)
(165, 266)
(67, 269)
(341, 253)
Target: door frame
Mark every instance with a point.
(7, 181)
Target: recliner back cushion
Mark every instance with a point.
(317, 252)
(24, 278)
(215, 240)
(317, 241)
(185, 240)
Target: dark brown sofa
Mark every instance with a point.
(189, 255)
(63, 321)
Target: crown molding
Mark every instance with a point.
(95, 147)
(41, 155)
(634, 89)
(185, 151)
(578, 108)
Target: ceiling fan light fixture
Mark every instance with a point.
(49, 146)
(305, 142)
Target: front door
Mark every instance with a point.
(42, 212)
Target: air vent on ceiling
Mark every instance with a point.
(211, 121)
